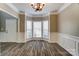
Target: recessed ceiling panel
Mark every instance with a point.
(49, 7)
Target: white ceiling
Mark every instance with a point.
(49, 7)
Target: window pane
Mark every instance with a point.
(29, 29)
(37, 29)
(45, 29)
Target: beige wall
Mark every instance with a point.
(53, 23)
(69, 20)
(22, 22)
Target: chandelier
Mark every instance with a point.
(37, 6)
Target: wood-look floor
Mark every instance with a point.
(32, 48)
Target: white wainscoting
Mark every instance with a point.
(18, 37)
(10, 33)
(69, 43)
(3, 37)
(53, 37)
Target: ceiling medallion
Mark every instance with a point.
(38, 6)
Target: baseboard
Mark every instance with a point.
(7, 41)
(52, 41)
(21, 42)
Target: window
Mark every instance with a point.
(45, 29)
(37, 29)
(29, 29)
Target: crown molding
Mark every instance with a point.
(53, 13)
(7, 12)
(42, 15)
(64, 7)
(13, 7)
(61, 9)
